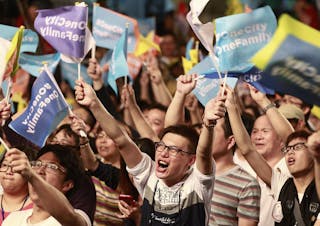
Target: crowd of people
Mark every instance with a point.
(153, 155)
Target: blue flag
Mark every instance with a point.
(65, 28)
(46, 109)
(189, 47)
(69, 73)
(119, 66)
(30, 39)
(108, 26)
(33, 64)
(240, 36)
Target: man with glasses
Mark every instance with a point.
(53, 175)
(174, 191)
(298, 202)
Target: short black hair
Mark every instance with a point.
(68, 157)
(185, 131)
(297, 134)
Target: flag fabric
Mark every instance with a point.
(119, 66)
(194, 56)
(33, 64)
(46, 109)
(30, 39)
(145, 44)
(207, 88)
(189, 47)
(240, 36)
(187, 65)
(5, 46)
(108, 26)
(11, 65)
(146, 25)
(290, 61)
(65, 28)
(69, 72)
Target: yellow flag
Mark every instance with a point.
(187, 65)
(194, 56)
(145, 44)
(12, 56)
(316, 111)
(287, 26)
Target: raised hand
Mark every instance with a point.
(5, 110)
(313, 144)
(186, 83)
(84, 93)
(94, 70)
(19, 163)
(128, 98)
(258, 96)
(214, 110)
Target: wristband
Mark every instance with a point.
(266, 108)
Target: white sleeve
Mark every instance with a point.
(84, 216)
(141, 172)
(278, 179)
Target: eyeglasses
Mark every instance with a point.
(49, 167)
(296, 147)
(173, 150)
(4, 167)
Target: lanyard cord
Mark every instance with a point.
(2, 210)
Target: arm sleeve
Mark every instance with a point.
(108, 174)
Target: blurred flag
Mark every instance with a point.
(65, 28)
(119, 66)
(290, 61)
(10, 65)
(30, 39)
(69, 72)
(33, 64)
(108, 25)
(189, 46)
(187, 65)
(46, 109)
(146, 44)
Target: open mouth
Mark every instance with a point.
(291, 161)
(163, 164)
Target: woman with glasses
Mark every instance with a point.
(15, 196)
(54, 174)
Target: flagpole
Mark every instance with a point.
(79, 73)
(93, 51)
(9, 89)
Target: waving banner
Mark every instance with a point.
(46, 109)
(65, 28)
(30, 39)
(291, 61)
(33, 64)
(108, 26)
(240, 36)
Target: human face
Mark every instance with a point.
(64, 139)
(12, 183)
(56, 178)
(221, 145)
(299, 161)
(264, 138)
(106, 146)
(168, 46)
(155, 118)
(172, 169)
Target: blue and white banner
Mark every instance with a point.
(46, 109)
(108, 26)
(69, 72)
(30, 39)
(33, 64)
(240, 36)
(64, 28)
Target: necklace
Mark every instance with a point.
(23, 203)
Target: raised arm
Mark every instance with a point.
(140, 123)
(5, 111)
(52, 200)
(243, 141)
(280, 124)
(314, 148)
(175, 112)
(214, 110)
(128, 150)
(161, 92)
